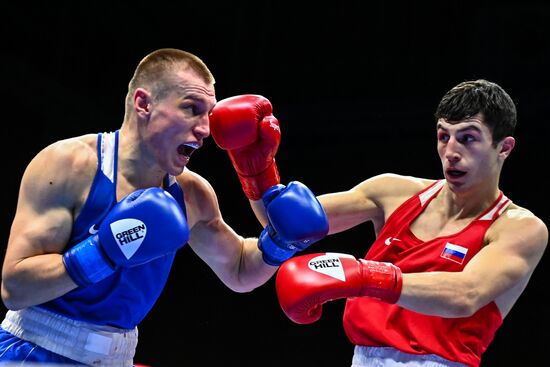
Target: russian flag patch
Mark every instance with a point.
(454, 252)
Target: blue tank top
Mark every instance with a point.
(123, 299)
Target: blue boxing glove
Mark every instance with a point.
(145, 225)
(296, 220)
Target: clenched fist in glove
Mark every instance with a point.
(296, 220)
(304, 283)
(143, 226)
(245, 126)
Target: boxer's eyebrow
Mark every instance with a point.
(439, 126)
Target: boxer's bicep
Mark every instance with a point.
(44, 215)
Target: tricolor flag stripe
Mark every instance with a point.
(454, 252)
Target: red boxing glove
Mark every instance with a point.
(245, 127)
(304, 283)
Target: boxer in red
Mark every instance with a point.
(451, 255)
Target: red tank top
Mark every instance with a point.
(371, 322)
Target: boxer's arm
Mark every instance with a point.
(371, 200)
(33, 270)
(499, 273)
(514, 246)
(260, 212)
(236, 260)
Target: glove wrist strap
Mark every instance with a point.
(86, 263)
(381, 280)
(273, 254)
(254, 186)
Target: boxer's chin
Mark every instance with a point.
(184, 160)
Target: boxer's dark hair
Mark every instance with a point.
(480, 96)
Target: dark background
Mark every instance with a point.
(354, 85)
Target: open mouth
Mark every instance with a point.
(455, 173)
(187, 149)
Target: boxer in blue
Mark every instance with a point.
(100, 217)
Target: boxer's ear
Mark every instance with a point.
(142, 101)
(506, 146)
